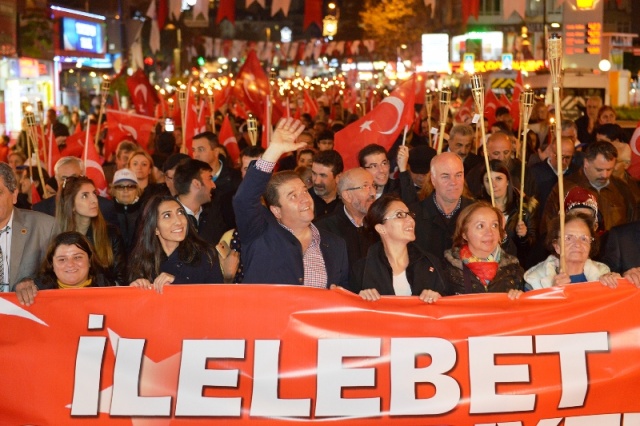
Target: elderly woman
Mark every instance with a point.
(126, 201)
(395, 265)
(68, 263)
(168, 250)
(476, 263)
(580, 245)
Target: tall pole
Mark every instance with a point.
(477, 89)
(554, 45)
(445, 101)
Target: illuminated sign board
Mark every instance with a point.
(486, 46)
(83, 36)
(487, 66)
(583, 38)
(435, 52)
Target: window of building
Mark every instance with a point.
(490, 7)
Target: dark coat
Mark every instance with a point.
(545, 179)
(434, 233)
(127, 222)
(357, 238)
(117, 272)
(374, 271)
(48, 206)
(621, 248)
(270, 253)
(476, 185)
(461, 280)
(321, 208)
(201, 271)
(226, 186)
(211, 225)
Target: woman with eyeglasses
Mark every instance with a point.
(476, 263)
(125, 193)
(77, 210)
(580, 244)
(395, 265)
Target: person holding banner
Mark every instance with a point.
(476, 263)
(395, 265)
(77, 210)
(168, 250)
(280, 244)
(70, 262)
(581, 245)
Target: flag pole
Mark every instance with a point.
(445, 101)
(554, 50)
(252, 129)
(478, 96)
(32, 135)
(526, 107)
(428, 104)
(182, 101)
(40, 106)
(104, 92)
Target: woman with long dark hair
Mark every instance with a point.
(521, 234)
(77, 210)
(169, 251)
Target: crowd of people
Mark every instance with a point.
(407, 221)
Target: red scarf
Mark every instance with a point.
(484, 269)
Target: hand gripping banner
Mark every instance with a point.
(270, 355)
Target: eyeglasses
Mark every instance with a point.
(582, 239)
(400, 215)
(376, 166)
(365, 186)
(126, 187)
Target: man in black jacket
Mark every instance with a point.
(194, 185)
(436, 215)
(357, 192)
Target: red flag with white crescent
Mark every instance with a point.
(143, 94)
(634, 144)
(465, 112)
(228, 139)
(252, 85)
(93, 168)
(382, 125)
(122, 125)
(491, 104)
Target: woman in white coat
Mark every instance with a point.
(580, 245)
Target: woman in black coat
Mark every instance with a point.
(395, 265)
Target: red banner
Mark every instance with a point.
(258, 354)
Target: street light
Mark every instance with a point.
(330, 21)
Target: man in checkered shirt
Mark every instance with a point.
(280, 243)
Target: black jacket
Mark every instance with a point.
(358, 239)
(200, 271)
(461, 280)
(127, 221)
(621, 247)
(434, 232)
(211, 225)
(374, 271)
(117, 272)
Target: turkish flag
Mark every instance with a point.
(228, 139)
(142, 93)
(122, 125)
(194, 119)
(93, 168)
(465, 112)
(252, 85)
(381, 126)
(310, 105)
(74, 145)
(226, 10)
(53, 153)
